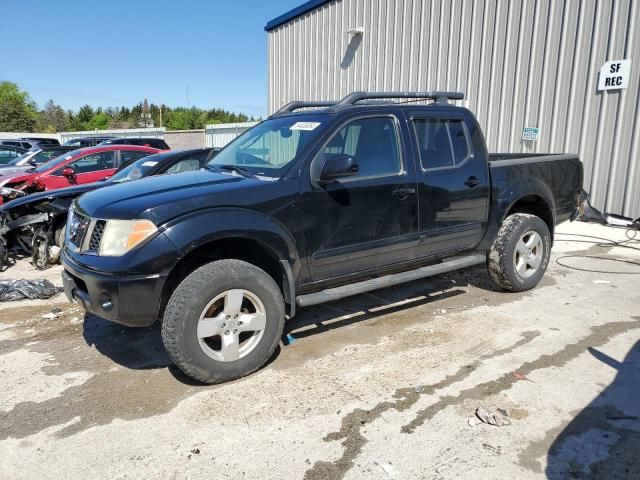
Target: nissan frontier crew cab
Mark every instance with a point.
(320, 201)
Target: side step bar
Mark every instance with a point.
(330, 294)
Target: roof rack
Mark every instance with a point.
(438, 97)
(291, 106)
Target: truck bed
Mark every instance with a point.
(556, 178)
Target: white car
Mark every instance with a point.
(33, 158)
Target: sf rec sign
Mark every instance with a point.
(614, 75)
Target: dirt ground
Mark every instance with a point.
(378, 386)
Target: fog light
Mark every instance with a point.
(106, 302)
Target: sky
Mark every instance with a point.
(209, 54)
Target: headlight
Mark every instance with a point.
(120, 236)
(11, 192)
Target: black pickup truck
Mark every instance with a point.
(320, 201)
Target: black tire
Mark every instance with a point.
(502, 257)
(189, 300)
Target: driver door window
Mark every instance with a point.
(373, 142)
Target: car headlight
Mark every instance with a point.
(11, 192)
(120, 236)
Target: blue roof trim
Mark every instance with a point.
(296, 12)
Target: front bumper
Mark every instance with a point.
(130, 300)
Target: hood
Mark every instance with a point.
(161, 198)
(15, 177)
(50, 195)
(10, 169)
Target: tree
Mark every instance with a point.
(18, 112)
(100, 121)
(176, 119)
(52, 118)
(82, 119)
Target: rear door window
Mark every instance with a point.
(442, 143)
(459, 141)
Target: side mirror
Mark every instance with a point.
(69, 172)
(338, 166)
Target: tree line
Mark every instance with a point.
(19, 113)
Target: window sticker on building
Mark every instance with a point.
(614, 75)
(530, 133)
(308, 126)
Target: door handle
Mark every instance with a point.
(472, 182)
(403, 193)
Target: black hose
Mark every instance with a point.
(630, 262)
(602, 242)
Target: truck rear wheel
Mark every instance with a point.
(223, 321)
(520, 252)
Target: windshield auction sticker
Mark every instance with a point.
(308, 126)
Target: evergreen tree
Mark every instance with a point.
(52, 118)
(18, 113)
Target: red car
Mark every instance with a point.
(85, 165)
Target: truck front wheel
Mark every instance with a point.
(223, 321)
(520, 252)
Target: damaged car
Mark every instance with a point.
(35, 223)
(83, 165)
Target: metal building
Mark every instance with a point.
(520, 63)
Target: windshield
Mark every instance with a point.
(56, 161)
(135, 170)
(269, 147)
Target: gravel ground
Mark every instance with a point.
(382, 385)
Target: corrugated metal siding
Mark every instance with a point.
(519, 62)
(219, 134)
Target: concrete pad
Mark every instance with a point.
(382, 385)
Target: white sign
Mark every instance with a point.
(530, 133)
(614, 75)
(304, 126)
